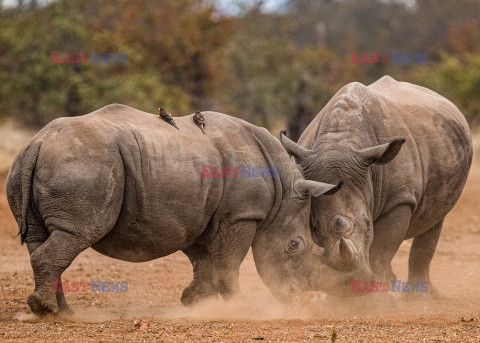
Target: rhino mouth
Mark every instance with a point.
(340, 283)
(287, 293)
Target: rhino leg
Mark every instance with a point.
(36, 237)
(48, 261)
(389, 233)
(228, 250)
(201, 286)
(421, 254)
(63, 308)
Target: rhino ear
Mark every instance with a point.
(315, 188)
(297, 151)
(381, 154)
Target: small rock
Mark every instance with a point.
(468, 320)
(319, 336)
(141, 325)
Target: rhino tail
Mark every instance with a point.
(28, 166)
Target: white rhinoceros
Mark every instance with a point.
(403, 152)
(132, 187)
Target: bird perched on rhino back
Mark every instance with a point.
(167, 117)
(199, 120)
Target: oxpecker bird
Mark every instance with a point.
(199, 119)
(167, 117)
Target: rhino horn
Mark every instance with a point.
(294, 149)
(348, 254)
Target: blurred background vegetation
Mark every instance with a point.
(275, 64)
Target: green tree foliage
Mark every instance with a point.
(458, 79)
(168, 46)
(271, 80)
(275, 69)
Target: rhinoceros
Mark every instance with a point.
(404, 153)
(133, 187)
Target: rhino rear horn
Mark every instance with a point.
(294, 149)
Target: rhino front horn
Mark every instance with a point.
(348, 253)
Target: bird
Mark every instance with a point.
(199, 119)
(167, 117)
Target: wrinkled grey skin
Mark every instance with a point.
(404, 153)
(129, 185)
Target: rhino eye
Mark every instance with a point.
(294, 245)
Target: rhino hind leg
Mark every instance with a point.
(421, 254)
(48, 261)
(37, 236)
(201, 287)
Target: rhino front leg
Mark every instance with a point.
(48, 261)
(389, 232)
(228, 250)
(421, 254)
(201, 286)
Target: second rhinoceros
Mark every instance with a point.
(386, 198)
(133, 187)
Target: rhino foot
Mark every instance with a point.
(198, 291)
(436, 294)
(65, 310)
(39, 307)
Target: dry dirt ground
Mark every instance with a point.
(151, 311)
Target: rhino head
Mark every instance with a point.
(286, 256)
(343, 224)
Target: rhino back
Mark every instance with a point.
(431, 168)
(165, 203)
(438, 151)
